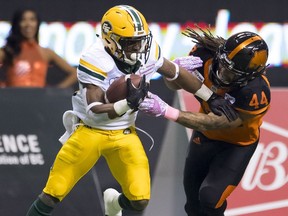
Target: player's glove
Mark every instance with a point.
(155, 106)
(136, 95)
(219, 106)
(190, 63)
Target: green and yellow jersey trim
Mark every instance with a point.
(92, 70)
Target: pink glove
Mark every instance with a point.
(190, 63)
(155, 106)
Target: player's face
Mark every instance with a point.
(28, 25)
(225, 75)
(134, 47)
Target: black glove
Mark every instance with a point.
(136, 95)
(219, 105)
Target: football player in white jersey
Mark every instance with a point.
(96, 128)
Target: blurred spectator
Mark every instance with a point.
(24, 62)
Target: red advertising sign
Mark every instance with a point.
(263, 189)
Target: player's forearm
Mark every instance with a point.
(182, 78)
(112, 110)
(171, 85)
(201, 121)
(179, 76)
(96, 103)
(187, 81)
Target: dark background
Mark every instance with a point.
(159, 11)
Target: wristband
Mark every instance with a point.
(204, 92)
(92, 105)
(121, 107)
(172, 113)
(177, 72)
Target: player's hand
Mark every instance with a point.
(219, 106)
(153, 105)
(190, 63)
(136, 95)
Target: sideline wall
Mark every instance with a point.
(31, 123)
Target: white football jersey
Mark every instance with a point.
(97, 67)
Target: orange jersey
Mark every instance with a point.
(252, 99)
(29, 68)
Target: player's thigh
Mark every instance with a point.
(129, 165)
(226, 171)
(76, 157)
(197, 163)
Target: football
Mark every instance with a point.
(118, 89)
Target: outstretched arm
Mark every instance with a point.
(203, 122)
(155, 106)
(181, 77)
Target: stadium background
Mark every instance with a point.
(31, 118)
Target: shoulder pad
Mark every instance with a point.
(201, 52)
(254, 96)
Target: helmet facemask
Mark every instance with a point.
(132, 49)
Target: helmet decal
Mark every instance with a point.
(259, 57)
(106, 27)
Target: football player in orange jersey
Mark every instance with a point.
(25, 62)
(220, 150)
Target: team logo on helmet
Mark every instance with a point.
(106, 27)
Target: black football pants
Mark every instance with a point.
(211, 168)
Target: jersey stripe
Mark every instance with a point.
(255, 112)
(91, 73)
(266, 80)
(92, 70)
(157, 52)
